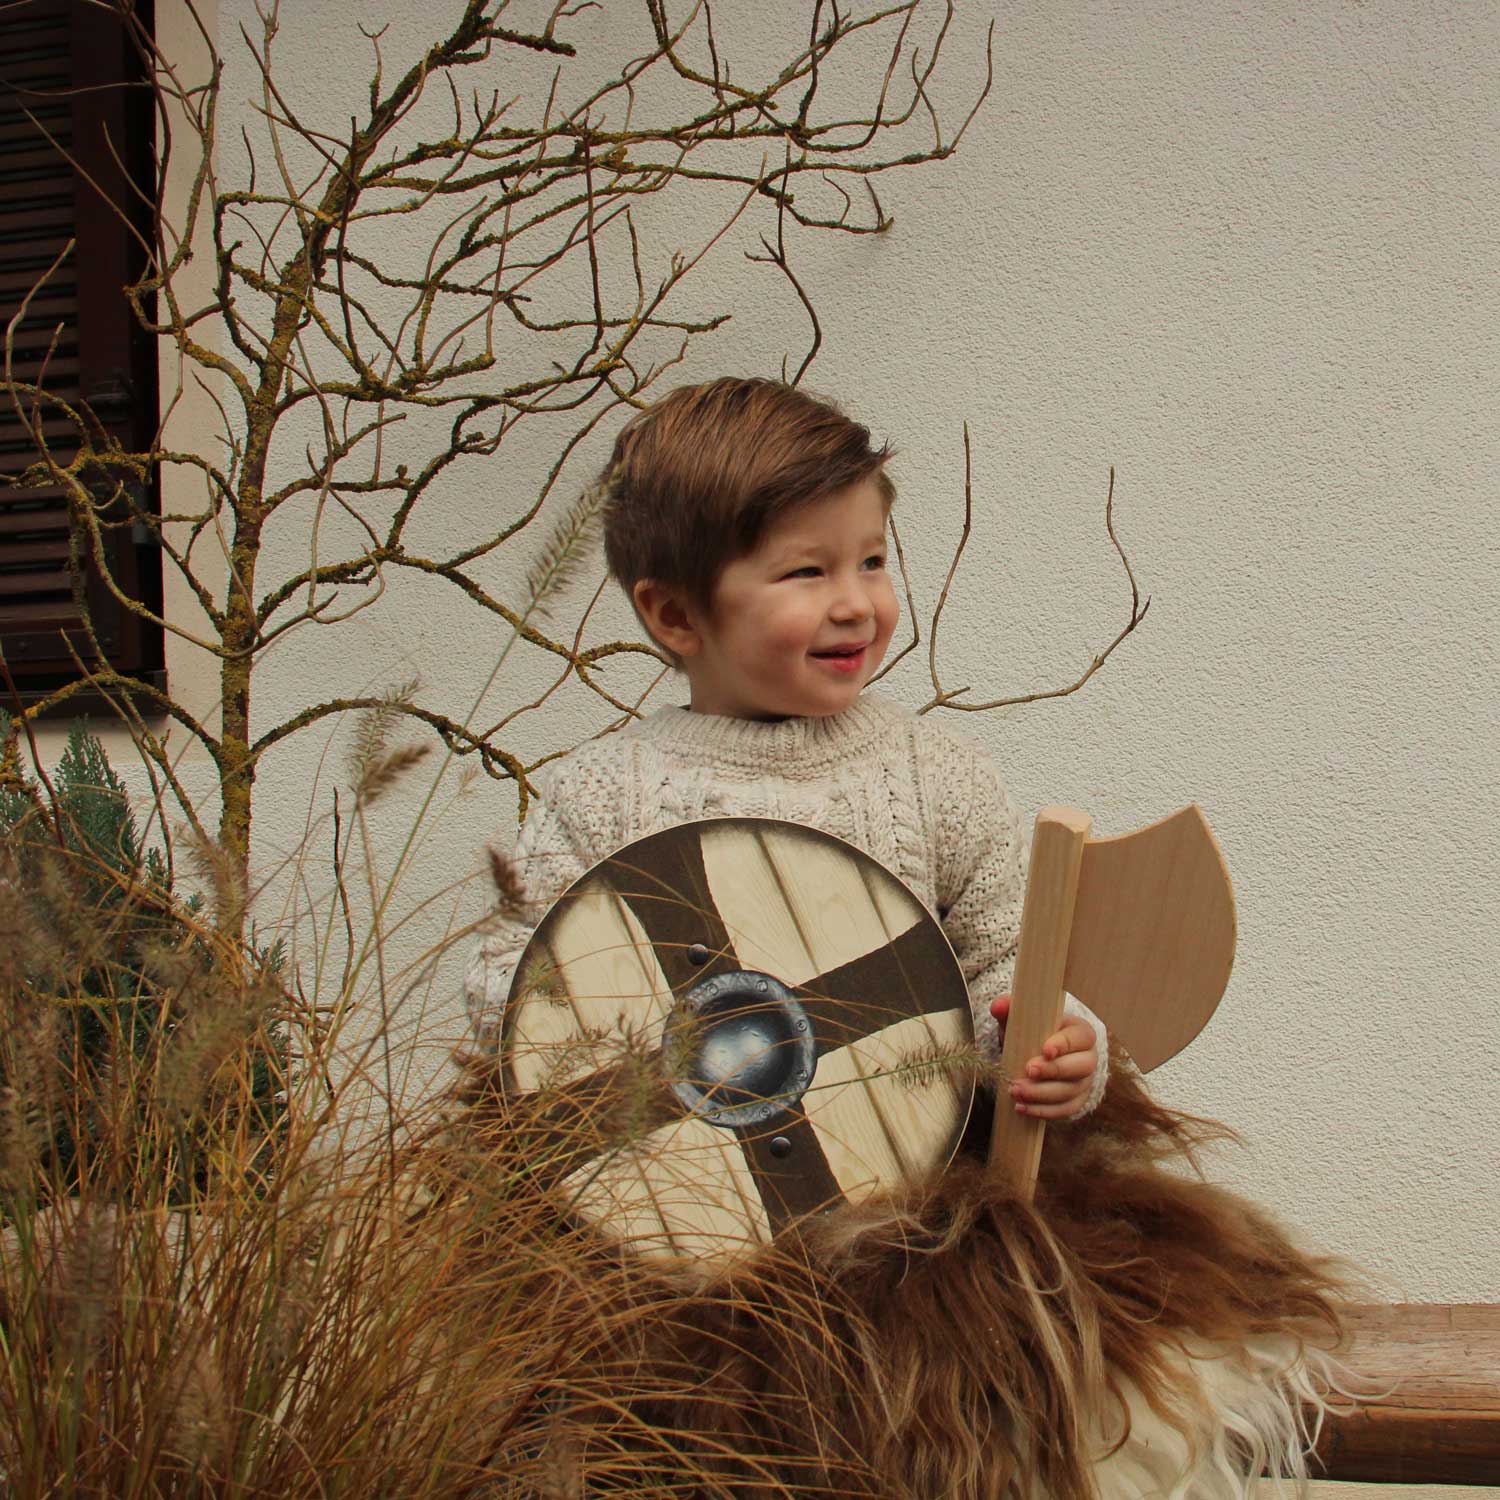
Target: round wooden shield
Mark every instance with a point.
(732, 1024)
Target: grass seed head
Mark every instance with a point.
(379, 774)
(510, 892)
(571, 545)
(220, 874)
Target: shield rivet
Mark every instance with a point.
(780, 1146)
(698, 954)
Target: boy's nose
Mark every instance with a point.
(851, 604)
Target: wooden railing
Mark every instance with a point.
(1440, 1424)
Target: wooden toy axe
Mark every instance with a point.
(1139, 927)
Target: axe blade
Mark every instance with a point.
(1152, 941)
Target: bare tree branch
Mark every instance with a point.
(387, 287)
(947, 698)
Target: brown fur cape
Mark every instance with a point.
(1136, 1331)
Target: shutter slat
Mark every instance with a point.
(27, 363)
(18, 277)
(20, 118)
(26, 284)
(34, 333)
(32, 555)
(30, 155)
(62, 372)
(34, 36)
(18, 284)
(43, 581)
(53, 431)
(48, 614)
(50, 215)
(29, 522)
(36, 76)
(35, 337)
(21, 497)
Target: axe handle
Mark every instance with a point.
(1037, 987)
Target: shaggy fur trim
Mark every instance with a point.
(1136, 1331)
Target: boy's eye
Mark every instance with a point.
(875, 559)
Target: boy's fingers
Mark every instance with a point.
(1069, 1065)
(1052, 1111)
(1048, 1101)
(1045, 1093)
(1075, 1036)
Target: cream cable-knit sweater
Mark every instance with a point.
(922, 800)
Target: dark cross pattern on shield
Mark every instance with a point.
(759, 1012)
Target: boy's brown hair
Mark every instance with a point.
(696, 480)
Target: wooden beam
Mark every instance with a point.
(1440, 1422)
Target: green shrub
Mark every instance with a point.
(132, 1034)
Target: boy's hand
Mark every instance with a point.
(1055, 1084)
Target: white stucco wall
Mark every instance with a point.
(1247, 255)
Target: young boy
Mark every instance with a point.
(746, 520)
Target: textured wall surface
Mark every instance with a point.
(1249, 257)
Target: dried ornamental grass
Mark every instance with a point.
(430, 1322)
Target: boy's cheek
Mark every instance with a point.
(792, 636)
(888, 614)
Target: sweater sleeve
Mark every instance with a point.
(549, 856)
(982, 853)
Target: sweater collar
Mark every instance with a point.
(795, 748)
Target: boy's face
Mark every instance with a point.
(800, 625)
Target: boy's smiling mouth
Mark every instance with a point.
(842, 658)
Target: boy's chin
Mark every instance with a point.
(813, 698)
(827, 701)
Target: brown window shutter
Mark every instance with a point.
(68, 70)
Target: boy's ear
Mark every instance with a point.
(667, 618)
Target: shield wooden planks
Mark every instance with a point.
(732, 1024)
